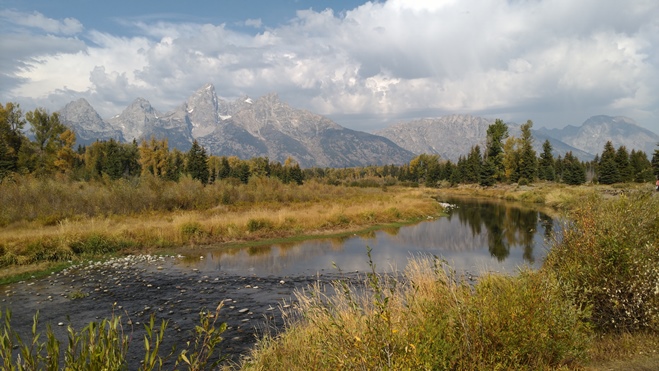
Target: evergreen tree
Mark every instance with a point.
(472, 166)
(458, 174)
(528, 162)
(225, 169)
(511, 159)
(175, 165)
(558, 165)
(546, 169)
(622, 163)
(292, 171)
(242, 172)
(496, 133)
(488, 173)
(574, 172)
(608, 169)
(655, 162)
(197, 163)
(447, 170)
(641, 167)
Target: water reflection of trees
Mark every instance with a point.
(505, 225)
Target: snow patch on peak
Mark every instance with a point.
(190, 110)
(248, 100)
(224, 117)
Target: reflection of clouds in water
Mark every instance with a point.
(452, 239)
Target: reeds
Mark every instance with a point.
(104, 345)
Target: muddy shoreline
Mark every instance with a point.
(137, 287)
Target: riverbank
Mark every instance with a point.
(30, 247)
(101, 284)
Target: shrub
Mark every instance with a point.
(190, 229)
(96, 244)
(608, 259)
(259, 224)
(427, 319)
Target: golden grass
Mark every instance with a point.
(331, 210)
(426, 319)
(624, 351)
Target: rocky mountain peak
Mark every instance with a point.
(88, 125)
(81, 111)
(134, 120)
(203, 111)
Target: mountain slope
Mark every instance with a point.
(270, 127)
(245, 128)
(80, 116)
(593, 134)
(454, 135)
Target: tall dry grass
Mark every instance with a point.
(428, 319)
(53, 220)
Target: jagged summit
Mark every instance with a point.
(248, 127)
(203, 111)
(86, 122)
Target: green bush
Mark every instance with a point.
(97, 244)
(259, 224)
(608, 259)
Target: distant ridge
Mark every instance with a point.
(266, 126)
(454, 135)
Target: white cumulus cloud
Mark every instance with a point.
(546, 60)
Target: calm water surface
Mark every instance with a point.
(477, 236)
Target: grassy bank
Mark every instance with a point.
(594, 304)
(46, 222)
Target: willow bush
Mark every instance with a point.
(427, 319)
(608, 260)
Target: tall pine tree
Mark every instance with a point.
(622, 163)
(546, 169)
(197, 163)
(608, 169)
(528, 162)
(574, 172)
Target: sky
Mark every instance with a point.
(366, 65)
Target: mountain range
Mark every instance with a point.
(269, 127)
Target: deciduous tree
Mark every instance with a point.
(47, 130)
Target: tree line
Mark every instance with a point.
(505, 159)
